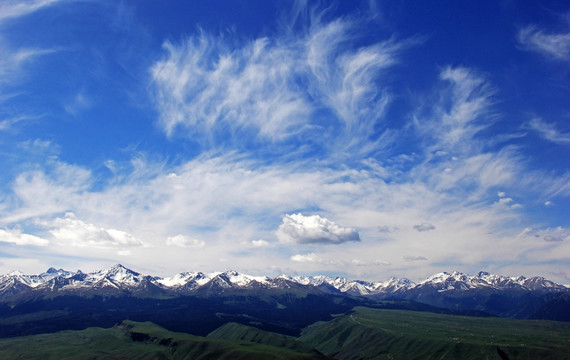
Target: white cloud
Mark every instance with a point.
(555, 46)
(200, 85)
(548, 131)
(79, 103)
(548, 203)
(12, 60)
(184, 241)
(556, 234)
(275, 88)
(259, 243)
(42, 193)
(15, 236)
(311, 258)
(17, 8)
(300, 229)
(71, 231)
(226, 199)
(424, 227)
(462, 110)
(7, 124)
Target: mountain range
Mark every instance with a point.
(481, 294)
(121, 278)
(199, 303)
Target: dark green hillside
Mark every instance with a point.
(556, 309)
(394, 334)
(363, 333)
(137, 341)
(235, 331)
(273, 310)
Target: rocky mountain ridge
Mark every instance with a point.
(119, 277)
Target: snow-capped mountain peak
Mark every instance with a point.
(182, 279)
(115, 276)
(121, 278)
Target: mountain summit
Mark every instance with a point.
(120, 277)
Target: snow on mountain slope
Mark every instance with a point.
(182, 279)
(353, 287)
(459, 281)
(121, 278)
(223, 279)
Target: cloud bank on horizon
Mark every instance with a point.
(363, 139)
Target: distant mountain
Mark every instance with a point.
(517, 297)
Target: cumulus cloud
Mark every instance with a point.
(259, 243)
(184, 241)
(300, 229)
(311, 258)
(15, 236)
(548, 131)
(71, 231)
(424, 227)
(556, 46)
(509, 202)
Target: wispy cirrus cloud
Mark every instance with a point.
(14, 59)
(10, 9)
(462, 108)
(548, 131)
(274, 89)
(551, 45)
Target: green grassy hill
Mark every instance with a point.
(137, 341)
(363, 333)
(394, 334)
(239, 332)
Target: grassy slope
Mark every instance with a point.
(239, 332)
(134, 341)
(392, 334)
(362, 334)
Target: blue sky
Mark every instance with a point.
(366, 138)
